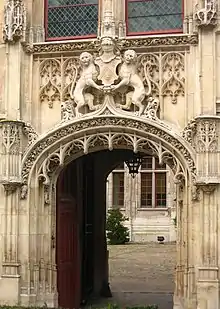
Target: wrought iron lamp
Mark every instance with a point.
(134, 164)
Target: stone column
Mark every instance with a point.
(10, 158)
(205, 19)
(14, 28)
(207, 272)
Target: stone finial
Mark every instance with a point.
(206, 15)
(14, 21)
(108, 20)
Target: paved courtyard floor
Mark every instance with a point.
(142, 274)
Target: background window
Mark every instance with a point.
(67, 19)
(154, 16)
(153, 183)
(118, 189)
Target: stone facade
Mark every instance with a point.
(42, 131)
(145, 223)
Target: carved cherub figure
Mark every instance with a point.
(87, 79)
(129, 77)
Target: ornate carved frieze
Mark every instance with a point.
(90, 46)
(206, 14)
(107, 141)
(82, 85)
(206, 138)
(14, 21)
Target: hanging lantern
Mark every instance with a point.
(133, 164)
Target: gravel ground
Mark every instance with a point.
(142, 274)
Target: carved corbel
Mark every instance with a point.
(208, 188)
(195, 193)
(11, 187)
(14, 27)
(24, 191)
(206, 15)
(47, 191)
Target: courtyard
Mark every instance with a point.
(142, 274)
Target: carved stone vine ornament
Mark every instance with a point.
(30, 133)
(206, 14)
(14, 21)
(189, 132)
(169, 41)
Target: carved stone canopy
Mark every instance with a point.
(206, 15)
(14, 21)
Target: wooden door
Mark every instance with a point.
(88, 235)
(67, 251)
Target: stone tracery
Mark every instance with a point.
(106, 137)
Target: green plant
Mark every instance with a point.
(114, 306)
(117, 233)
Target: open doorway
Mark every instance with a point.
(142, 271)
(81, 249)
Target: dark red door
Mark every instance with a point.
(68, 257)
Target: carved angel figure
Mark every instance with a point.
(129, 77)
(87, 79)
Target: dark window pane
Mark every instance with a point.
(154, 15)
(118, 190)
(146, 189)
(160, 184)
(70, 2)
(71, 18)
(146, 163)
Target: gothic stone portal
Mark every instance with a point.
(91, 145)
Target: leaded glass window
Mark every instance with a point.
(66, 19)
(153, 183)
(154, 16)
(118, 189)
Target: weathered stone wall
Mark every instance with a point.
(35, 79)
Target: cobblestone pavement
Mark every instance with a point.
(142, 274)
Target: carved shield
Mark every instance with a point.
(107, 70)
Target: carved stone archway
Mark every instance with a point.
(44, 160)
